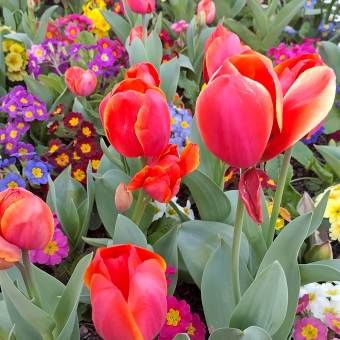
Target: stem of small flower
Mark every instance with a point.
(278, 195)
(235, 249)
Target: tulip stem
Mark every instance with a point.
(235, 250)
(31, 284)
(136, 213)
(278, 195)
(141, 209)
(144, 29)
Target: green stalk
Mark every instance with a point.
(235, 250)
(278, 195)
(141, 209)
(139, 203)
(144, 29)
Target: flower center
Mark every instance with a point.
(310, 332)
(74, 121)
(191, 329)
(37, 173)
(85, 148)
(51, 248)
(173, 317)
(12, 184)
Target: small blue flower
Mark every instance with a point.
(309, 4)
(12, 181)
(36, 172)
(313, 137)
(290, 30)
(5, 163)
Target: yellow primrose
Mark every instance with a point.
(17, 48)
(334, 231)
(14, 61)
(333, 210)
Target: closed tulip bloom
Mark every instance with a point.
(136, 118)
(208, 7)
(137, 31)
(123, 198)
(162, 177)
(144, 71)
(128, 292)
(141, 6)
(9, 254)
(80, 82)
(26, 221)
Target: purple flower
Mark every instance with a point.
(3, 135)
(12, 181)
(9, 147)
(105, 57)
(24, 98)
(12, 134)
(41, 113)
(38, 52)
(95, 67)
(11, 108)
(290, 30)
(36, 172)
(23, 152)
(28, 113)
(313, 137)
(21, 125)
(279, 53)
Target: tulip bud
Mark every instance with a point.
(136, 32)
(80, 82)
(141, 6)
(207, 7)
(319, 252)
(332, 142)
(123, 198)
(201, 19)
(305, 205)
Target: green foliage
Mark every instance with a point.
(190, 89)
(251, 333)
(169, 73)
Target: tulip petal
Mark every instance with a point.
(9, 254)
(147, 298)
(108, 303)
(189, 159)
(158, 189)
(153, 124)
(246, 119)
(305, 105)
(145, 71)
(138, 179)
(32, 228)
(249, 190)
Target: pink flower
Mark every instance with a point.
(303, 303)
(196, 329)
(279, 53)
(208, 7)
(72, 31)
(179, 26)
(333, 323)
(178, 319)
(309, 328)
(170, 270)
(55, 251)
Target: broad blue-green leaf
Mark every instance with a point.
(318, 213)
(197, 240)
(9, 19)
(332, 156)
(77, 5)
(237, 7)
(330, 54)
(20, 37)
(40, 34)
(5, 321)
(130, 16)
(119, 25)
(128, 232)
(98, 242)
(251, 333)
(8, 5)
(169, 73)
(264, 304)
(184, 61)
(154, 49)
(212, 203)
(217, 294)
(65, 314)
(293, 235)
(328, 270)
(191, 40)
(137, 52)
(181, 336)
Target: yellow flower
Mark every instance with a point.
(17, 48)
(14, 61)
(15, 76)
(334, 231)
(6, 45)
(100, 26)
(283, 215)
(280, 223)
(333, 210)
(2, 28)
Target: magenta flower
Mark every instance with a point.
(303, 303)
(72, 31)
(333, 323)
(279, 53)
(178, 319)
(196, 329)
(55, 251)
(308, 329)
(170, 270)
(179, 26)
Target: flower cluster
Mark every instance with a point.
(55, 251)
(92, 11)
(318, 312)
(74, 24)
(16, 59)
(285, 51)
(282, 217)
(332, 211)
(180, 320)
(78, 147)
(179, 26)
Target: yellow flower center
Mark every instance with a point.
(85, 148)
(51, 248)
(49, 35)
(53, 148)
(36, 103)
(173, 317)
(332, 292)
(157, 210)
(24, 100)
(13, 133)
(37, 173)
(331, 310)
(95, 68)
(86, 131)
(336, 323)
(172, 120)
(12, 108)
(12, 184)
(20, 126)
(38, 53)
(282, 56)
(312, 297)
(63, 159)
(310, 332)
(172, 211)
(9, 146)
(95, 164)
(184, 125)
(186, 211)
(22, 150)
(29, 114)
(191, 329)
(74, 121)
(3, 136)
(40, 112)
(73, 31)
(79, 175)
(104, 57)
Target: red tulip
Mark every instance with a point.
(32, 228)
(144, 71)
(136, 118)
(162, 177)
(141, 6)
(128, 292)
(80, 82)
(137, 31)
(9, 254)
(208, 7)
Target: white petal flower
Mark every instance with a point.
(331, 291)
(323, 306)
(160, 210)
(187, 210)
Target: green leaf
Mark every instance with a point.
(190, 87)
(66, 98)
(40, 34)
(211, 202)
(197, 240)
(251, 333)
(20, 37)
(259, 16)
(9, 18)
(237, 7)
(86, 38)
(98, 242)
(273, 169)
(223, 9)
(119, 25)
(5, 321)
(330, 54)
(272, 8)
(181, 336)
(184, 61)
(39, 90)
(302, 153)
(169, 73)
(191, 40)
(332, 156)
(264, 304)
(328, 270)
(128, 232)
(111, 156)
(8, 5)
(137, 52)
(332, 123)
(218, 310)
(158, 25)
(154, 50)
(40, 320)
(65, 314)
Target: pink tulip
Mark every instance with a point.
(208, 7)
(141, 6)
(80, 82)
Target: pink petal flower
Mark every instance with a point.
(333, 323)
(196, 329)
(309, 328)
(303, 303)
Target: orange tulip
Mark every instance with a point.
(208, 7)
(128, 292)
(162, 177)
(141, 6)
(9, 254)
(80, 82)
(144, 71)
(26, 220)
(136, 118)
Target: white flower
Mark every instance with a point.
(324, 306)
(331, 291)
(316, 294)
(160, 210)
(187, 210)
(170, 211)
